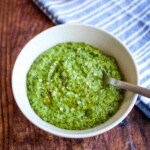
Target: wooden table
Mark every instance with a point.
(21, 20)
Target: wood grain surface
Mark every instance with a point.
(21, 20)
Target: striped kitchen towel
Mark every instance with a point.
(128, 20)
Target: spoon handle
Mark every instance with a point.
(131, 87)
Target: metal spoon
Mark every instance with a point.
(126, 86)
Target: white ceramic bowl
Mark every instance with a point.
(75, 33)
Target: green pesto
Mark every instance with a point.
(65, 86)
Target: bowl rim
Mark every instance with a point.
(86, 135)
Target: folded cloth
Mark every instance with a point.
(127, 20)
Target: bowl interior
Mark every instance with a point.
(73, 33)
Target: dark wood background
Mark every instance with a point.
(21, 20)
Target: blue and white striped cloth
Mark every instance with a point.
(129, 20)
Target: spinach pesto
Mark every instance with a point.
(65, 86)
